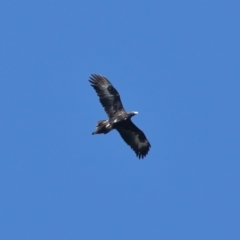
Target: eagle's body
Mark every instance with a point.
(105, 126)
(119, 119)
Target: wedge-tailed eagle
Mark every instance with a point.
(119, 119)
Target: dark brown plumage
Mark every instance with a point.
(119, 119)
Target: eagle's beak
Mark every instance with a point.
(135, 113)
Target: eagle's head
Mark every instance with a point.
(133, 113)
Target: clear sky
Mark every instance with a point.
(175, 62)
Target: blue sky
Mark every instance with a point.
(175, 62)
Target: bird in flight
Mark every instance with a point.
(119, 119)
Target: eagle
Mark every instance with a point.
(119, 119)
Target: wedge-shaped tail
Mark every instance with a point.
(103, 126)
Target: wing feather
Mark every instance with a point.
(134, 137)
(108, 95)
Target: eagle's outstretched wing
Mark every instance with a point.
(134, 137)
(108, 95)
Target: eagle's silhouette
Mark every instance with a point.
(119, 119)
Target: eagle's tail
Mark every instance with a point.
(103, 126)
